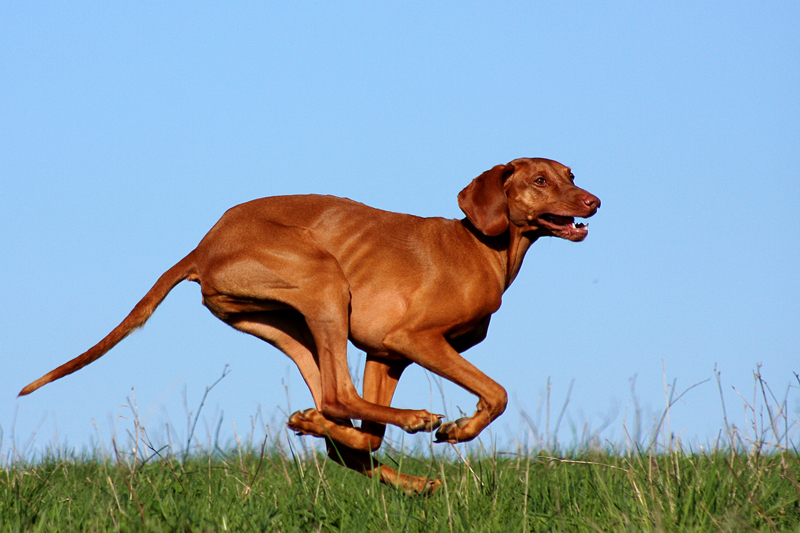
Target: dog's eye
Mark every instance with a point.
(540, 181)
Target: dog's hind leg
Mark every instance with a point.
(380, 381)
(287, 331)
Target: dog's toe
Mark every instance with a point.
(298, 416)
(443, 433)
(452, 431)
(423, 486)
(424, 422)
(431, 486)
(301, 422)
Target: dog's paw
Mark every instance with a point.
(424, 421)
(306, 423)
(452, 431)
(425, 487)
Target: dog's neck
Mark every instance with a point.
(518, 243)
(509, 248)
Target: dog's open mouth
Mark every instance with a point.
(564, 227)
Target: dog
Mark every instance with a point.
(308, 273)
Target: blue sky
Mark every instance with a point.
(126, 130)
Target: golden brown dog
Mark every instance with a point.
(308, 273)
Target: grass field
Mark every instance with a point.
(748, 481)
(591, 491)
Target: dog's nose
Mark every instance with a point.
(591, 201)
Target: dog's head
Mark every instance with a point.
(535, 195)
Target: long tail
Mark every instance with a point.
(181, 271)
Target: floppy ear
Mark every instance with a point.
(484, 201)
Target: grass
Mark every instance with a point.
(592, 491)
(751, 482)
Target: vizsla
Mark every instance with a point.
(308, 273)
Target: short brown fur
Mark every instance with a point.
(308, 273)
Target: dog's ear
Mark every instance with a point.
(484, 200)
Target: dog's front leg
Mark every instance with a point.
(430, 350)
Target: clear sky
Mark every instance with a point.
(127, 129)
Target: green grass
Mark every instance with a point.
(748, 481)
(592, 491)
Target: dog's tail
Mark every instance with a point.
(185, 269)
